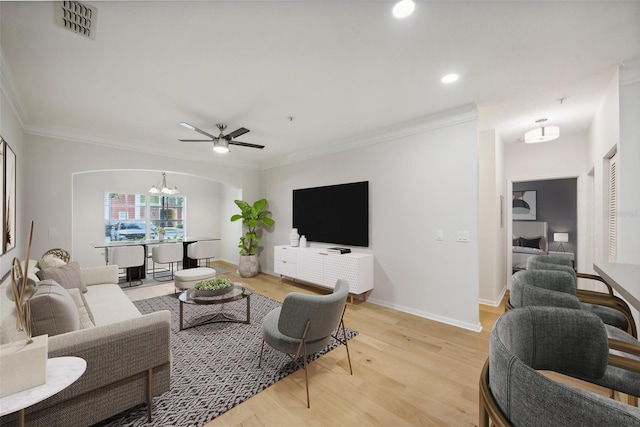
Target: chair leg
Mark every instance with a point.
(306, 373)
(344, 337)
(261, 350)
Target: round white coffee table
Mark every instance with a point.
(61, 373)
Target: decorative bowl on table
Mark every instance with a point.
(212, 287)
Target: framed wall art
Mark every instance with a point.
(524, 205)
(9, 211)
(2, 187)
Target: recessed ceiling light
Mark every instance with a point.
(450, 78)
(403, 8)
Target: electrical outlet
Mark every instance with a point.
(439, 235)
(463, 237)
(53, 232)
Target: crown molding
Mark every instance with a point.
(446, 118)
(125, 145)
(8, 87)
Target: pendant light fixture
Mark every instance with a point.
(161, 187)
(542, 134)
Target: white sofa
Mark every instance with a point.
(122, 350)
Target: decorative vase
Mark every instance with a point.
(248, 266)
(294, 237)
(303, 242)
(161, 237)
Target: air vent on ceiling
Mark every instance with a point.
(78, 17)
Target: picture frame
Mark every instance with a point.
(524, 205)
(2, 185)
(9, 200)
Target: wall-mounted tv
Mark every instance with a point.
(337, 214)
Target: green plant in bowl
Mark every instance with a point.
(212, 287)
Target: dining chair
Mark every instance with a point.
(168, 253)
(127, 257)
(202, 250)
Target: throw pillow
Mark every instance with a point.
(84, 313)
(53, 311)
(68, 276)
(49, 261)
(530, 242)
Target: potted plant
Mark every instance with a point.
(252, 216)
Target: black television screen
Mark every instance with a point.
(336, 214)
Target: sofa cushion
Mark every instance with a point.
(68, 276)
(49, 261)
(84, 314)
(53, 310)
(109, 304)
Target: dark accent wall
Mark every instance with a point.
(557, 204)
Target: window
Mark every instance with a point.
(613, 209)
(137, 216)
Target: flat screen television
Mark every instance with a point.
(337, 214)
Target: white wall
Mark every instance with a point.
(11, 131)
(490, 232)
(603, 137)
(417, 184)
(56, 165)
(629, 165)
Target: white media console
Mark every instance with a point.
(318, 267)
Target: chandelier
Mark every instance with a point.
(161, 187)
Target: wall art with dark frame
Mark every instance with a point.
(9, 177)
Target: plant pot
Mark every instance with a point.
(161, 237)
(248, 266)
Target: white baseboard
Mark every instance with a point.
(495, 303)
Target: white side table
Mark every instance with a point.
(61, 373)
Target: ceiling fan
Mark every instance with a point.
(221, 142)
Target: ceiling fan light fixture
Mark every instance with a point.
(542, 134)
(220, 145)
(403, 8)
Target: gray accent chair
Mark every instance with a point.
(611, 309)
(571, 342)
(550, 288)
(305, 324)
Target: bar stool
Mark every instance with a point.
(202, 250)
(167, 253)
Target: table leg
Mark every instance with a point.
(181, 313)
(21, 418)
(248, 308)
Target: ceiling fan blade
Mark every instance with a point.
(195, 140)
(236, 133)
(192, 127)
(244, 144)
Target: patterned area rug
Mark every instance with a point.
(215, 366)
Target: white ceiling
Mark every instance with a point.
(344, 70)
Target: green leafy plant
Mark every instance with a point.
(252, 217)
(213, 284)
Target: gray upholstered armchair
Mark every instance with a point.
(611, 309)
(305, 324)
(572, 342)
(544, 288)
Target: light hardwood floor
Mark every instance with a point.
(407, 370)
